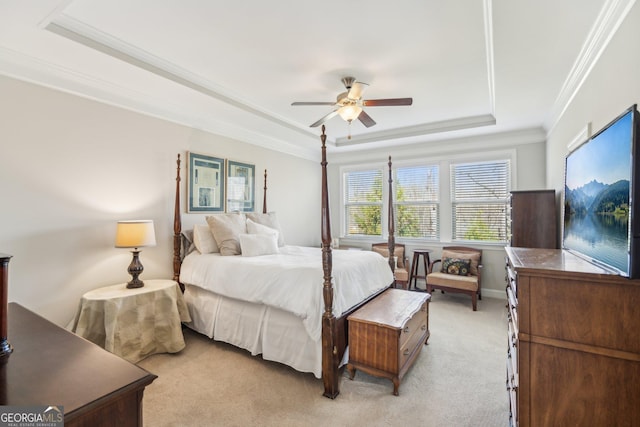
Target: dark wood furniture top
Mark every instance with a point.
(387, 334)
(574, 352)
(52, 366)
(334, 329)
(533, 219)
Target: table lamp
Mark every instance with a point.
(135, 234)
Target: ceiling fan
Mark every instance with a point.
(349, 104)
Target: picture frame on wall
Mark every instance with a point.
(241, 179)
(206, 183)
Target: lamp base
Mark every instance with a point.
(135, 269)
(135, 283)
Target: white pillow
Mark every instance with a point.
(225, 229)
(203, 239)
(270, 220)
(258, 244)
(255, 228)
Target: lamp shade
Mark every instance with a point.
(135, 234)
(350, 112)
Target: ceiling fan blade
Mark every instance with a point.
(386, 102)
(314, 103)
(325, 118)
(366, 119)
(357, 89)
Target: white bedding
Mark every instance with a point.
(290, 280)
(275, 334)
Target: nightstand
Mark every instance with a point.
(134, 323)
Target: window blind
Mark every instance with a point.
(363, 202)
(479, 196)
(416, 202)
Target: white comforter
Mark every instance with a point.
(291, 280)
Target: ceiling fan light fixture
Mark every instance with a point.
(350, 112)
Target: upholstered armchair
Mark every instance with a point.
(460, 271)
(401, 272)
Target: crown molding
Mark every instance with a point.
(26, 68)
(419, 130)
(607, 23)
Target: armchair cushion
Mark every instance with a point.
(474, 259)
(456, 266)
(468, 283)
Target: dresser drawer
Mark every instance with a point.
(512, 391)
(512, 359)
(512, 311)
(413, 335)
(512, 281)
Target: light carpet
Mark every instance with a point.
(457, 380)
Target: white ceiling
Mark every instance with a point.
(472, 67)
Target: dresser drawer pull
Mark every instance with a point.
(406, 330)
(424, 327)
(405, 352)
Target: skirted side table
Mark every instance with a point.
(134, 323)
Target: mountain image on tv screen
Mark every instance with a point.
(596, 200)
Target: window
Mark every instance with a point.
(363, 202)
(440, 199)
(479, 197)
(416, 206)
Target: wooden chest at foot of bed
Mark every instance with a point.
(387, 334)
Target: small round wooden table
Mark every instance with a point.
(415, 265)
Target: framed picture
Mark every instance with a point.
(205, 184)
(240, 187)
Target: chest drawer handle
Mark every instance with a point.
(406, 352)
(406, 330)
(424, 327)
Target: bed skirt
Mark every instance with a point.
(277, 335)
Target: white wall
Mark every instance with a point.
(71, 167)
(529, 170)
(612, 86)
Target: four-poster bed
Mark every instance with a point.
(318, 330)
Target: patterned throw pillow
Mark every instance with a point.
(456, 266)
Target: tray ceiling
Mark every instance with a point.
(234, 68)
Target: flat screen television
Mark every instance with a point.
(600, 195)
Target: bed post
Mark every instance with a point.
(330, 360)
(392, 241)
(264, 196)
(177, 229)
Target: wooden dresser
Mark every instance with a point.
(51, 366)
(387, 334)
(533, 219)
(574, 347)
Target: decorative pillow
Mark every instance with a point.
(225, 229)
(460, 267)
(397, 252)
(258, 244)
(187, 243)
(255, 228)
(203, 239)
(270, 220)
(474, 258)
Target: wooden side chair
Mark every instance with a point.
(460, 271)
(401, 272)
